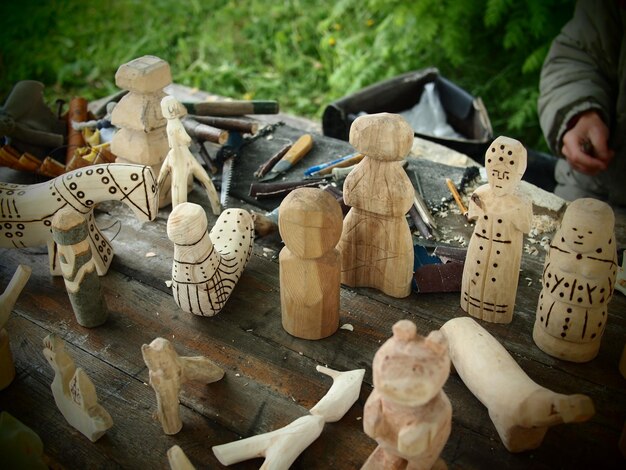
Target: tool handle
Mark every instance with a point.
(298, 150)
(348, 162)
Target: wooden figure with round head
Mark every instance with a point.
(578, 281)
(491, 270)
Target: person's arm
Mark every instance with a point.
(585, 143)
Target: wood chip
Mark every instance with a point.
(347, 326)
(150, 254)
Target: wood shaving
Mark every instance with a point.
(150, 254)
(347, 326)
(168, 283)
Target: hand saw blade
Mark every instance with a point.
(227, 176)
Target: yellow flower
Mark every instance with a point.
(337, 27)
(370, 22)
(332, 41)
(248, 95)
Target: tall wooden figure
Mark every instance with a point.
(69, 229)
(310, 223)
(408, 413)
(376, 244)
(578, 280)
(491, 271)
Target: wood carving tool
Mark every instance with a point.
(419, 202)
(269, 164)
(269, 190)
(299, 149)
(456, 196)
(204, 132)
(230, 124)
(232, 108)
(226, 154)
(325, 168)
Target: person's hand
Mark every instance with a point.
(585, 146)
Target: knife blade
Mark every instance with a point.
(298, 150)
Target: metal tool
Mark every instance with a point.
(298, 150)
(226, 154)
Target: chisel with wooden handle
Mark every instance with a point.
(298, 150)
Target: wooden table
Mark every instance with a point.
(270, 376)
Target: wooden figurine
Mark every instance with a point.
(141, 137)
(521, 410)
(69, 230)
(26, 211)
(178, 460)
(376, 244)
(207, 265)
(168, 372)
(491, 270)
(310, 224)
(283, 446)
(179, 161)
(7, 301)
(578, 281)
(74, 392)
(20, 446)
(408, 413)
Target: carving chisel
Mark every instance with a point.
(299, 149)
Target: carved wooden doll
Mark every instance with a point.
(69, 229)
(408, 412)
(207, 265)
(491, 271)
(180, 162)
(168, 372)
(376, 244)
(578, 281)
(74, 392)
(310, 222)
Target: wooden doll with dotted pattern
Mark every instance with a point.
(207, 265)
(491, 270)
(578, 281)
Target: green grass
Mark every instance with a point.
(305, 54)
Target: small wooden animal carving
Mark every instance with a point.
(491, 270)
(180, 162)
(178, 460)
(376, 244)
(521, 410)
(69, 230)
(74, 392)
(310, 224)
(283, 446)
(408, 412)
(168, 372)
(578, 281)
(26, 211)
(207, 265)
(7, 301)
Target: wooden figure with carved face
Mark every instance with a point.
(491, 269)
(578, 281)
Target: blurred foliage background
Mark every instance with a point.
(304, 53)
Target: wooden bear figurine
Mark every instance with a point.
(578, 281)
(491, 270)
(310, 222)
(168, 372)
(7, 301)
(521, 410)
(207, 265)
(179, 161)
(74, 392)
(408, 412)
(69, 230)
(376, 244)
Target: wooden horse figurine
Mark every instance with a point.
(179, 161)
(26, 211)
(521, 410)
(207, 265)
(69, 230)
(74, 392)
(376, 244)
(7, 301)
(168, 372)
(578, 281)
(491, 270)
(310, 224)
(408, 412)
(283, 446)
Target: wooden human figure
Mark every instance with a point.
(310, 223)
(521, 410)
(408, 412)
(168, 372)
(491, 270)
(179, 161)
(376, 244)
(7, 301)
(74, 392)
(578, 281)
(69, 229)
(207, 265)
